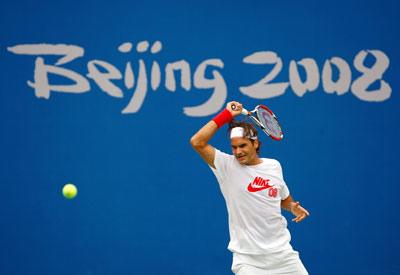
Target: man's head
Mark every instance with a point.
(244, 142)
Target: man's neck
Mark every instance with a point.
(256, 161)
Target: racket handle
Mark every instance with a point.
(244, 111)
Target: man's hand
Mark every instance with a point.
(237, 109)
(297, 210)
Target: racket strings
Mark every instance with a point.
(266, 121)
(270, 123)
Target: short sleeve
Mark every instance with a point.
(285, 190)
(221, 163)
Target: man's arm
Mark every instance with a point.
(295, 208)
(199, 141)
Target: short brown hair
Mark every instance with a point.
(249, 131)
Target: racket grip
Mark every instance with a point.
(244, 111)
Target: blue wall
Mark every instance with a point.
(147, 204)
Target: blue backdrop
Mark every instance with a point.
(106, 95)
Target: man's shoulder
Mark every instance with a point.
(222, 154)
(271, 162)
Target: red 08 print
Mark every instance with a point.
(273, 192)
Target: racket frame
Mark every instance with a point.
(252, 115)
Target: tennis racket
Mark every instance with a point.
(263, 117)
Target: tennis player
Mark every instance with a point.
(255, 193)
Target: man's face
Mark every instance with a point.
(244, 150)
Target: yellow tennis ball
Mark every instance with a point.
(69, 191)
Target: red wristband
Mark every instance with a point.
(224, 117)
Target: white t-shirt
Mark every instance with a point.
(253, 195)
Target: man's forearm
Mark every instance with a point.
(287, 203)
(202, 137)
(199, 141)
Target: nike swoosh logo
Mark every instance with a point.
(256, 189)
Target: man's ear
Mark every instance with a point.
(256, 144)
